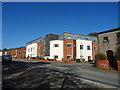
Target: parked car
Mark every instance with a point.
(6, 58)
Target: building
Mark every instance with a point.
(41, 50)
(56, 49)
(21, 52)
(33, 48)
(70, 50)
(75, 36)
(84, 50)
(12, 52)
(70, 41)
(95, 49)
(109, 40)
(48, 38)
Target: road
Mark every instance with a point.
(34, 74)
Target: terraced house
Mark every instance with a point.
(71, 46)
(32, 48)
(40, 47)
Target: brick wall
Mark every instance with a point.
(104, 64)
(95, 51)
(21, 52)
(13, 52)
(40, 49)
(69, 51)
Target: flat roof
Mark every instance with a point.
(78, 34)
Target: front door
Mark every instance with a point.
(110, 57)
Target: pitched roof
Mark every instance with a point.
(111, 30)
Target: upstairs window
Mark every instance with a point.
(56, 45)
(118, 38)
(95, 48)
(69, 37)
(28, 50)
(105, 39)
(68, 45)
(88, 47)
(81, 47)
(68, 57)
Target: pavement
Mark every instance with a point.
(37, 74)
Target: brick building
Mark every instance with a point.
(21, 52)
(12, 52)
(41, 50)
(75, 46)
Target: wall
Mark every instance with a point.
(56, 50)
(32, 53)
(85, 53)
(104, 64)
(41, 49)
(13, 52)
(48, 38)
(94, 51)
(111, 45)
(21, 52)
(69, 51)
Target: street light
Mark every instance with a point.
(81, 53)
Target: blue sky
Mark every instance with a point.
(25, 21)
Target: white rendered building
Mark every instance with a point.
(31, 50)
(84, 50)
(56, 49)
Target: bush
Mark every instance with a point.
(117, 53)
(100, 56)
(77, 60)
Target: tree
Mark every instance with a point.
(93, 34)
(5, 49)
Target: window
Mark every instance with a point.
(23, 52)
(56, 45)
(55, 56)
(28, 50)
(118, 38)
(81, 47)
(88, 47)
(95, 48)
(39, 47)
(31, 49)
(105, 39)
(94, 40)
(68, 57)
(69, 37)
(68, 45)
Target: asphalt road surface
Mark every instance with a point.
(34, 74)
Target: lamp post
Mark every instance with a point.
(80, 52)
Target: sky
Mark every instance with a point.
(26, 21)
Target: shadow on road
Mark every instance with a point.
(20, 75)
